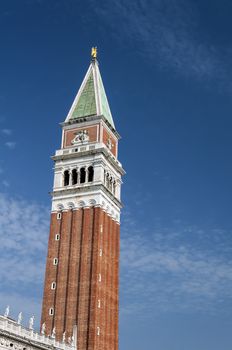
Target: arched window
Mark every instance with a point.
(66, 178)
(98, 330)
(107, 180)
(114, 187)
(111, 184)
(82, 175)
(74, 176)
(55, 261)
(57, 237)
(53, 285)
(90, 173)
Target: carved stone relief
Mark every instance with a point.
(81, 137)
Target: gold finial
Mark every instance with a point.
(94, 52)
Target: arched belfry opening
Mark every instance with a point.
(82, 175)
(74, 177)
(90, 173)
(66, 177)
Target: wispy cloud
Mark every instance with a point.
(5, 182)
(10, 144)
(7, 132)
(23, 235)
(168, 33)
(24, 232)
(170, 268)
(163, 268)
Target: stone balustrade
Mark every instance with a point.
(17, 337)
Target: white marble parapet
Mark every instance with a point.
(84, 148)
(17, 337)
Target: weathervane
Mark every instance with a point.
(94, 53)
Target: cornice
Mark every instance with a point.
(91, 152)
(86, 189)
(81, 120)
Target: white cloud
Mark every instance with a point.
(23, 235)
(185, 269)
(167, 269)
(167, 32)
(24, 228)
(7, 132)
(10, 144)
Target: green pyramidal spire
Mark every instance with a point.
(91, 98)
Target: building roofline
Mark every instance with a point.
(89, 118)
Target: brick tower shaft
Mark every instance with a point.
(81, 290)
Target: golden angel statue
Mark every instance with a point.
(94, 52)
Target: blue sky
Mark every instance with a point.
(166, 66)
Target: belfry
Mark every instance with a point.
(80, 302)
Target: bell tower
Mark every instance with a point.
(81, 287)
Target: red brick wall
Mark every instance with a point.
(85, 279)
(83, 233)
(62, 274)
(106, 137)
(51, 273)
(74, 270)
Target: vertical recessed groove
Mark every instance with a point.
(106, 249)
(57, 268)
(70, 243)
(79, 269)
(80, 264)
(91, 280)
